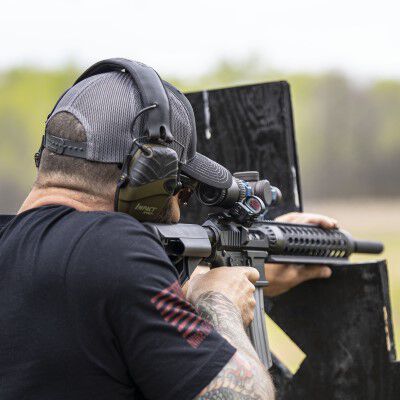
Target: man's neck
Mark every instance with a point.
(60, 196)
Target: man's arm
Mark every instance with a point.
(244, 376)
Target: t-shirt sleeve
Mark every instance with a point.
(170, 351)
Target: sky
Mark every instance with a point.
(187, 38)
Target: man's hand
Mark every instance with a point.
(283, 277)
(235, 283)
(224, 297)
(308, 218)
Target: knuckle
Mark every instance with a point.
(251, 316)
(294, 273)
(252, 288)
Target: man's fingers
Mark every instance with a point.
(322, 220)
(309, 218)
(308, 272)
(200, 269)
(252, 274)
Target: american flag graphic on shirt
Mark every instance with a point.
(177, 311)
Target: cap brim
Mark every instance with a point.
(207, 171)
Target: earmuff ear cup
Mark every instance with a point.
(151, 181)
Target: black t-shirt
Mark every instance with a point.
(90, 308)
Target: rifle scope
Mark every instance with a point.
(244, 185)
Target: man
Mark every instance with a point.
(90, 305)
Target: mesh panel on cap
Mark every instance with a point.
(74, 91)
(106, 105)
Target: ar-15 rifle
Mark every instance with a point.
(241, 236)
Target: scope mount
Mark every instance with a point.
(245, 212)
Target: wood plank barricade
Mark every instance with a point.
(344, 327)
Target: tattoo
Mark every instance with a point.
(224, 394)
(218, 310)
(221, 313)
(243, 377)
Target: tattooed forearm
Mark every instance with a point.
(244, 377)
(218, 311)
(241, 379)
(224, 394)
(226, 319)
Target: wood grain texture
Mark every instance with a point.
(251, 129)
(343, 325)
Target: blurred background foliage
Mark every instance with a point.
(347, 135)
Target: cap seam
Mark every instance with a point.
(175, 91)
(184, 150)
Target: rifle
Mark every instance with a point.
(240, 235)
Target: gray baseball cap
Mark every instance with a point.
(106, 105)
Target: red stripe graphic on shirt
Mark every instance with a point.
(182, 314)
(178, 312)
(170, 306)
(192, 327)
(173, 313)
(184, 324)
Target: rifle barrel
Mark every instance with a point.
(368, 246)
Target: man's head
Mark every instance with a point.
(93, 180)
(90, 178)
(95, 123)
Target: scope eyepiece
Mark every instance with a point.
(244, 185)
(209, 195)
(224, 198)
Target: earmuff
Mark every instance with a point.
(150, 172)
(149, 178)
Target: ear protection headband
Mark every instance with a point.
(150, 172)
(151, 89)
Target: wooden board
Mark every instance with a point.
(344, 327)
(249, 128)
